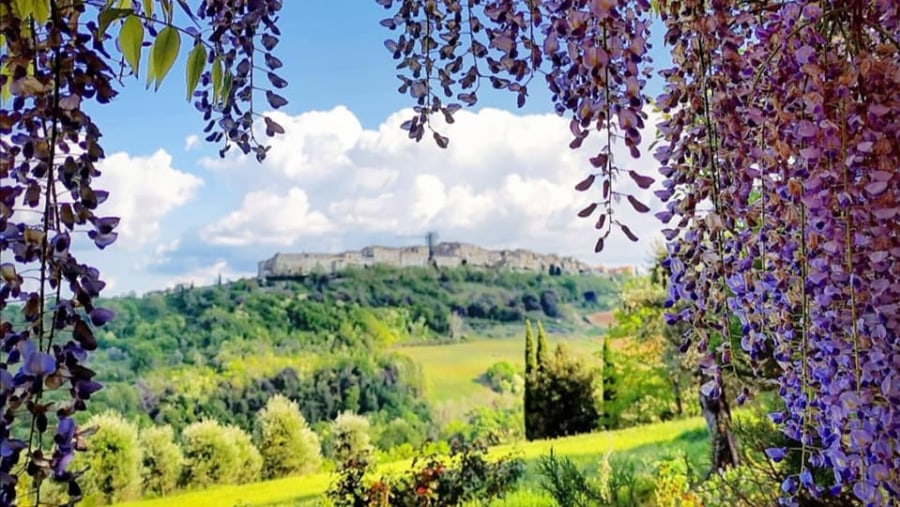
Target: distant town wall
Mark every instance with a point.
(287, 265)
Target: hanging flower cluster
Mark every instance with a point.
(54, 60)
(780, 159)
(593, 56)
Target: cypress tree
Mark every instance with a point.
(609, 377)
(530, 379)
(543, 350)
(530, 358)
(537, 396)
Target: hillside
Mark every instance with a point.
(326, 340)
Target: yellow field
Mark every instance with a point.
(296, 489)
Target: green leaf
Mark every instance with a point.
(151, 74)
(126, 4)
(131, 36)
(148, 8)
(41, 11)
(167, 9)
(226, 85)
(23, 8)
(107, 16)
(195, 64)
(165, 51)
(216, 80)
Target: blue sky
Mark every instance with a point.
(344, 175)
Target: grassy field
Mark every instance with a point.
(452, 372)
(644, 444)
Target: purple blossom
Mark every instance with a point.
(100, 316)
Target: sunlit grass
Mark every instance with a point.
(452, 371)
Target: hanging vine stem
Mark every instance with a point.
(804, 327)
(848, 239)
(49, 214)
(609, 142)
(705, 61)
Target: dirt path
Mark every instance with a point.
(601, 319)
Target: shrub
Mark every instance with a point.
(287, 445)
(495, 425)
(531, 302)
(350, 490)
(503, 377)
(399, 432)
(616, 484)
(210, 456)
(433, 481)
(162, 462)
(550, 304)
(350, 438)
(566, 483)
(742, 486)
(113, 459)
(626, 487)
(673, 484)
(247, 455)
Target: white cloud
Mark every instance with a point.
(505, 181)
(209, 275)
(142, 191)
(191, 141)
(160, 255)
(266, 218)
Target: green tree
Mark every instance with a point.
(286, 442)
(113, 459)
(163, 460)
(639, 317)
(608, 374)
(350, 437)
(530, 357)
(248, 455)
(531, 375)
(400, 432)
(210, 455)
(564, 397)
(543, 350)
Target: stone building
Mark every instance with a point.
(287, 265)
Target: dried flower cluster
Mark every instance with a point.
(779, 155)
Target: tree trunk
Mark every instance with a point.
(718, 419)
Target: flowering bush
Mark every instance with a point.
(439, 481)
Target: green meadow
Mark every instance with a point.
(453, 372)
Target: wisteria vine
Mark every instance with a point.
(779, 156)
(54, 58)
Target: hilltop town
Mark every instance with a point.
(452, 254)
